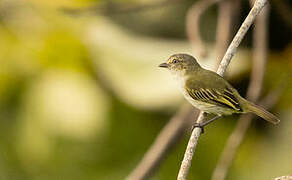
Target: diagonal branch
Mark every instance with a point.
(253, 93)
(258, 6)
(186, 163)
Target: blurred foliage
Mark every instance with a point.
(81, 97)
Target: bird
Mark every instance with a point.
(209, 92)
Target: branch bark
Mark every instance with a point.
(253, 93)
(186, 163)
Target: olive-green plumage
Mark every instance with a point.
(208, 91)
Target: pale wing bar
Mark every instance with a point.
(226, 99)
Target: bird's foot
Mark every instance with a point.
(199, 125)
(205, 123)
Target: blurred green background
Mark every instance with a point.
(81, 96)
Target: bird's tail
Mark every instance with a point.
(262, 113)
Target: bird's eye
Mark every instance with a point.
(174, 61)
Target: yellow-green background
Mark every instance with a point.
(81, 96)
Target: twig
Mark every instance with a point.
(260, 41)
(258, 5)
(193, 23)
(186, 163)
(253, 93)
(167, 138)
(191, 147)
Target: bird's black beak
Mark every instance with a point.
(163, 65)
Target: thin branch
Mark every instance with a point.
(258, 5)
(167, 138)
(260, 41)
(253, 93)
(193, 23)
(191, 147)
(186, 163)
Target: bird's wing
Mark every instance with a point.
(223, 98)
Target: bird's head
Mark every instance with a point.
(181, 64)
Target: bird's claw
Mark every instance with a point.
(205, 123)
(199, 125)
